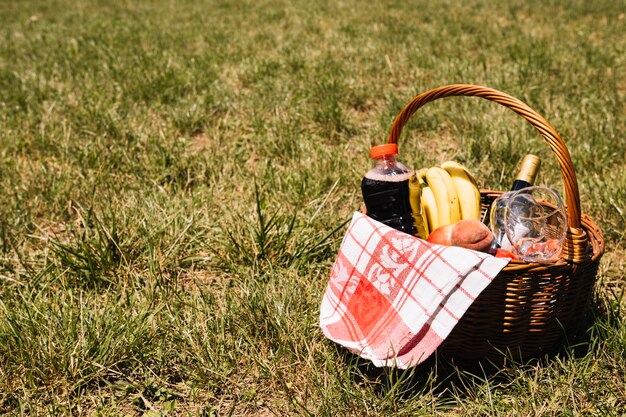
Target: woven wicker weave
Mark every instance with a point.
(529, 307)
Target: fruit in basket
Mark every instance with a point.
(469, 233)
(417, 209)
(446, 198)
(429, 205)
(472, 234)
(441, 235)
(449, 193)
(466, 188)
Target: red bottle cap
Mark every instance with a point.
(384, 150)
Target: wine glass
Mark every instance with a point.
(496, 220)
(535, 223)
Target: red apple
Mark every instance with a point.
(441, 235)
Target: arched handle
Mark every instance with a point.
(555, 142)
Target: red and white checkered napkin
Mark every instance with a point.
(393, 298)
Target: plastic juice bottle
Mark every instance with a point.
(385, 189)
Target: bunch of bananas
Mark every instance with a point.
(442, 195)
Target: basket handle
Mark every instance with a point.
(575, 243)
(557, 144)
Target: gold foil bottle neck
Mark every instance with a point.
(528, 168)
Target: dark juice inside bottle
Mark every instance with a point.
(385, 191)
(388, 202)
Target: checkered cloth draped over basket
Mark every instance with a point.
(393, 298)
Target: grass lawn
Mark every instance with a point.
(175, 177)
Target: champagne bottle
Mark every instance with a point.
(527, 172)
(525, 178)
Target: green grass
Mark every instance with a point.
(175, 177)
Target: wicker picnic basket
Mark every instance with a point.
(529, 307)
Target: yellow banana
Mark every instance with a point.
(415, 191)
(466, 189)
(429, 206)
(448, 209)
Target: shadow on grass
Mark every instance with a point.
(453, 378)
